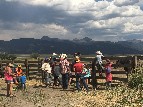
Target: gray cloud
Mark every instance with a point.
(97, 19)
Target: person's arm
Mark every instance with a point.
(43, 66)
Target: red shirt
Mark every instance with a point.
(78, 67)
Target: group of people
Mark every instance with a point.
(60, 70)
(14, 74)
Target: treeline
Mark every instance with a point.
(86, 45)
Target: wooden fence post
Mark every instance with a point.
(93, 75)
(27, 68)
(39, 68)
(135, 62)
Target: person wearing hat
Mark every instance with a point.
(78, 69)
(98, 62)
(64, 63)
(47, 72)
(19, 72)
(9, 79)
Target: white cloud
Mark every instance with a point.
(130, 27)
(73, 18)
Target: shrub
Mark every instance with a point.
(3, 56)
(35, 55)
(136, 79)
(11, 57)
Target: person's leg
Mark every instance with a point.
(11, 88)
(8, 89)
(60, 79)
(54, 84)
(85, 85)
(66, 80)
(109, 84)
(23, 86)
(50, 78)
(77, 82)
(47, 78)
(86, 80)
(63, 81)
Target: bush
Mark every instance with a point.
(12, 57)
(6, 56)
(3, 56)
(136, 79)
(35, 55)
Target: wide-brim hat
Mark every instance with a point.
(98, 52)
(63, 56)
(54, 54)
(10, 65)
(78, 60)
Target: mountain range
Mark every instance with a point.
(47, 45)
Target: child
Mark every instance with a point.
(23, 81)
(18, 73)
(87, 74)
(108, 73)
(9, 79)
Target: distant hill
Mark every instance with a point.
(47, 45)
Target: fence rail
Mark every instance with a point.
(30, 66)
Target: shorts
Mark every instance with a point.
(9, 81)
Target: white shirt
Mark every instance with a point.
(99, 58)
(46, 67)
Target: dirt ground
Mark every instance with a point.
(36, 95)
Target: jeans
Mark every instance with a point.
(48, 77)
(78, 78)
(23, 86)
(65, 78)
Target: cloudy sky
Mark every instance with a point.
(101, 20)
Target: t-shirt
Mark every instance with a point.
(46, 67)
(23, 79)
(78, 67)
(99, 59)
(8, 75)
(108, 68)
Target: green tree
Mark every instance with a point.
(12, 57)
(35, 55)
(3, 56)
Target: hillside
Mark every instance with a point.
(47, 45)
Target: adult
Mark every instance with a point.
(47, 72)
(64, 70)
(57, 74)
(52, 61)
(78, 69)
(72, 73)
(98, 62)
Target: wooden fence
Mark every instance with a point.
(34, 67)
